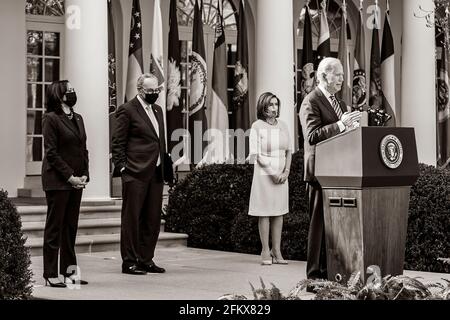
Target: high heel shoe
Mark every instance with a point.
(275, 260)
(73, 281)
(54, 284)
(266, 262)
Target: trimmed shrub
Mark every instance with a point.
(428, 236)
(211, 206)
(206, 203)
(15, 273)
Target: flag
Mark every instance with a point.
(307, 65)
(297, 133)
(359, 92)
(375, 96)
(157, 55)
(219, 111)
(388, 70)
(443, 106)
(324, 46)
(112, 83)
(343, 55)
(135, 61)
(198, 88)
(308, 76)
(240, 94)
(174, 105)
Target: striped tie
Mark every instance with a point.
(336, 106)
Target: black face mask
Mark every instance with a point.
(151, 97)
(71, 99)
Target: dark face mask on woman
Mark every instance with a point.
(71, 99)
(151, 97)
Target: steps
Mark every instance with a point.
(98, 229)
(86, 227)
(108, 242)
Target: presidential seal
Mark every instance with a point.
(391, 151)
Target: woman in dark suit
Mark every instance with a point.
(64, 175)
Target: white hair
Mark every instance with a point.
(142, 78)
(327, 66)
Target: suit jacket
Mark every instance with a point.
(65, 151)
(319, 122)
(135, 143)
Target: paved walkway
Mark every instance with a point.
(191, 274)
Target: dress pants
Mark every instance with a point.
(63, 210)
(316, 266)
(141, 219)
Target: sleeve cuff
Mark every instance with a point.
(341, 126)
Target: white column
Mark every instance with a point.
(275, 56)
(13, 93)
(86, 67)
(418, 108)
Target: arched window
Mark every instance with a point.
(186, 13)
(45, 7)
(334, 15)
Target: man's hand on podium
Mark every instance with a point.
(351, 120)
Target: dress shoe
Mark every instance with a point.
(153, 268)
(276, 260)
(134, 269)
(53, 284)
(266, 260)
(70, 280)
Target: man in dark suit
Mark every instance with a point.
(322, 116)
(138, 148)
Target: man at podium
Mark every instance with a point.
(322, 116)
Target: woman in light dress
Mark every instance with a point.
(270, 151)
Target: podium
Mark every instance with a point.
(366, 175)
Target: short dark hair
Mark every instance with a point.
(55, 92)
(263, 104)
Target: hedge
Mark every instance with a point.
(211, 206)
(15, 273)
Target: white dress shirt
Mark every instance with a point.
(151, 115)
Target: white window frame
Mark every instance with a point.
(44, 24)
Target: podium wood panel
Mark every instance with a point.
(372, 233)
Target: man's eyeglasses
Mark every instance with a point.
(151, 91)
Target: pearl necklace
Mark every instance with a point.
(70, 116)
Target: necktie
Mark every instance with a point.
(336, 106)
